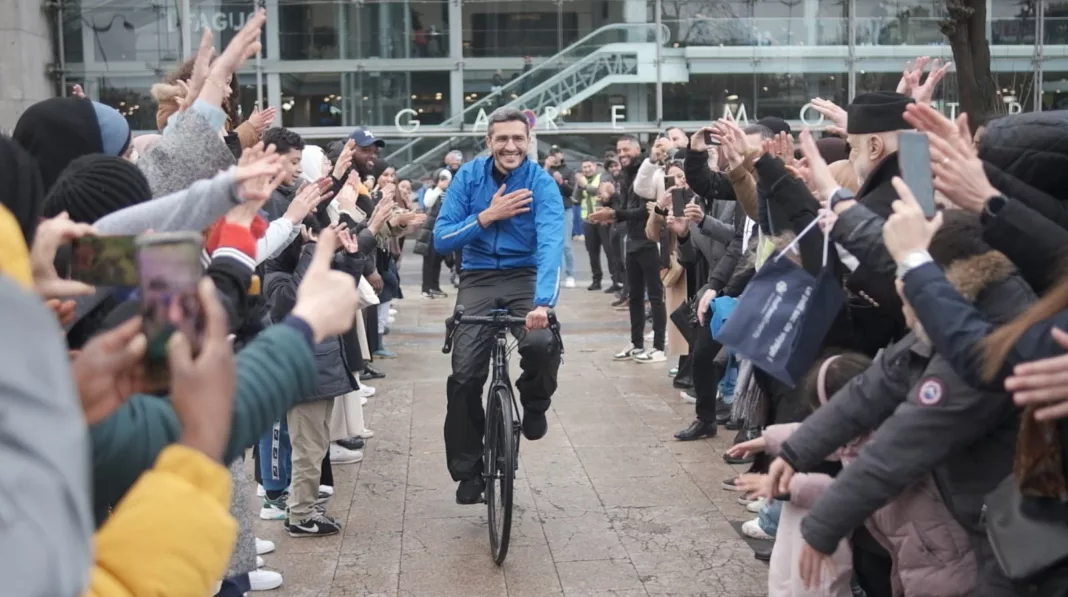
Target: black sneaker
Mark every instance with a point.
(620, 302)
(469, 491)
(697, 430)
(747, 459)
(734, 425)
(353, 443)
(614, 288)
(683, 383)
(439, 293)
(595, 286)
(731, 484)
(318, 525)
(723, 412)
(370, 372)
(534, 424)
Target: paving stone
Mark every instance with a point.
(608, 504)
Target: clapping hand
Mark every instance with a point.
(256, 178)
(308, 198)
(261, 119)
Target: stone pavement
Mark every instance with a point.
(607, 504)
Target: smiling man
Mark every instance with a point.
(505, 212)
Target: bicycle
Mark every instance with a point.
(500, 455)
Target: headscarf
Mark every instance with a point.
(311, 162)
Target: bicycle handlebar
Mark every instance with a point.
(499, 320)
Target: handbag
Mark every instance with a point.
(366, 292)
(722, 307)
(784, 315)
(1023, 546)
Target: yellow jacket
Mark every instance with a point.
(171, 535)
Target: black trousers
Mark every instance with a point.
(432, 271)
(617, 238)
(465, 418)
(707, 372)
(597, 240)
(643, 277)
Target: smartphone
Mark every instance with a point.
(914, 160)
(669, 181)
(104, 261)
(170, 269)
(709, 139)
(678, 202)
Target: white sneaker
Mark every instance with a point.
(342, 455)
(260, 491)
(751, 528)
(365, 434)
(688, 397)
(627, 353)
(326, 490)
(365, 391)
(652, 356)
(264, 580)
(264, 546)
(392, 311)
(363, 400)
(569, 282)
(756, 506)
(259, 562)
(391, 319)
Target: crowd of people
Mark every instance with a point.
(892, 363)
(901, 414)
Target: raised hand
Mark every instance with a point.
(344, 162)
(833, 112)
(958, 171)
(910, 84)
(77, 91)
(326, 298)
(202, 387)
(201, 69)
(381, 214)
(659, 152)
(505, 205)
(50, 236)
(820, 176)
(261, 119)
(308, 198)
(255, 183)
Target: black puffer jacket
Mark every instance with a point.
(1032, 147)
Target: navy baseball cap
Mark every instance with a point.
(364, 138)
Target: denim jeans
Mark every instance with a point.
(730, 379)
(769, 517)
(576, 220)
(275, 452)
(569, 256)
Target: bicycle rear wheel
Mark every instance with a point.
(500, 463)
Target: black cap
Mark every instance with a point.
(776, 124)
(878, 112)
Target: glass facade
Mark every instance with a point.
(423, 73)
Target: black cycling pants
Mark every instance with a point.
(465, 418)
(643, 277)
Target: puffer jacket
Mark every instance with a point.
(1032, 147)
(930, 551)
(930, 422)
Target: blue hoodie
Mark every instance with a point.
(534, 239)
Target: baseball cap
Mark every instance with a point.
(364, 138)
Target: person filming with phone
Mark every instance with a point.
(505, 212)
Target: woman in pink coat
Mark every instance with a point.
(912, 527)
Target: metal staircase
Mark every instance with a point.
(619, 53)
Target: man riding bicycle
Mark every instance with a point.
(506, 213)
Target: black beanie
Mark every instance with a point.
(878, 112)
(56, 131)
(20, 187)
(776, 124)
(96, 185)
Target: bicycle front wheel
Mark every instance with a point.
(500, 456)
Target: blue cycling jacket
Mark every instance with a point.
(534, 239)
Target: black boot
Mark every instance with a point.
(614, 288)
(697, 430)
(595, 286)
(684, 382)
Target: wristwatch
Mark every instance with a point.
(912, 261)
(660, 211)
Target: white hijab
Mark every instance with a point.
(311, 163)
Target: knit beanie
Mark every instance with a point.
(56, 131)
(96, 185)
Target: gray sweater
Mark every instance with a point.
(44, 445)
